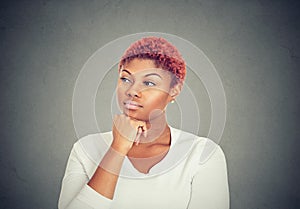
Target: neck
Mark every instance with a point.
(158, 131)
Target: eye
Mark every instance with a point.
(125, 80)
(149, 83)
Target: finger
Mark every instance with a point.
(144, 131)
(137, 139)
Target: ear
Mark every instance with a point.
(175, 91)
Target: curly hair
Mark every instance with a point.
(163, 53)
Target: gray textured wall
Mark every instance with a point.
(253, 44)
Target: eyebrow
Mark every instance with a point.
(124, 70)
(150, 74)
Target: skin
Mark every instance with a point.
(141, 133)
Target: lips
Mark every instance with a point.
(132, 105)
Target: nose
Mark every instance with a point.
(133, 91)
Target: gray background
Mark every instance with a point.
(253, 44)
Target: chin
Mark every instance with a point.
(135, 115)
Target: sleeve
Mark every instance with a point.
(75, 193)
(210, 184)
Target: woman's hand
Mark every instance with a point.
(126, 131)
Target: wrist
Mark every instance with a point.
(122, 150)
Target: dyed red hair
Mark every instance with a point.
(163, 53)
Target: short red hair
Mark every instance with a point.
(163, 53)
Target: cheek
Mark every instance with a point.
(157, 100)
(120, 93)
(121, 88)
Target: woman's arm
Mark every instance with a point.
(106, 175)
(125, 132)
(210, 184)
(77, 191)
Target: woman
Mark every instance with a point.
(148, 164)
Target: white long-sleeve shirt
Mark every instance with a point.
(193, 175)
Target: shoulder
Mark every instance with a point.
(88, 151)
(92, 140)
(208, 151)
(202, 149)
(93, 146)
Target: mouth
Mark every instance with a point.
(131, 105)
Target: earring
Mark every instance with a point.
(172, 102)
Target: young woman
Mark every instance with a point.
(148, 164)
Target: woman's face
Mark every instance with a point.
(143, 89)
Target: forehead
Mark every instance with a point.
(144, 66)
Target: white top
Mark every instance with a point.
(182, 180)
